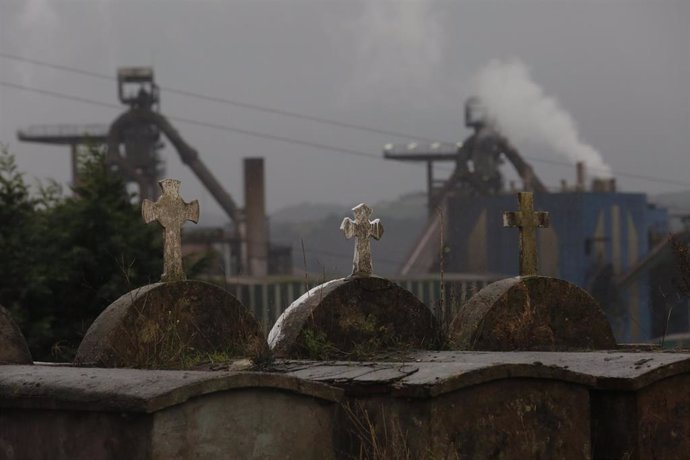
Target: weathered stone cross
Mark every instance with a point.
(171, 211)
(527, 220)
(362, 230)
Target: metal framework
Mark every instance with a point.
(76, 136)
(476, 172)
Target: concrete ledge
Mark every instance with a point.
(134, 390)
(429, 374)
(420, 375)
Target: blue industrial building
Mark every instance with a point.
(592, 239)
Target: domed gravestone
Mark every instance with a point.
(530, 312)
(174, 324)
(13, 347)
(356, 317)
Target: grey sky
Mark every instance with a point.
(620, 68)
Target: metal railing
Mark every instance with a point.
(268, 298)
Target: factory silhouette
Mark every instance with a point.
(613, 244)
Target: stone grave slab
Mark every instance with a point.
(175, 324)
(172, 325)
(424, 374)
(13, 347)
(531, 313)
(352, 318)
(600, 404)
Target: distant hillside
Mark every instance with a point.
(673, 201)
(678, 205)
(327, 252)
(409, 206)
(304, 212)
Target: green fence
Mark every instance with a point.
(268, 298)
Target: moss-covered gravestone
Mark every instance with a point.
(13, 347)
(174, 324)
(356, 317)
(530, 312)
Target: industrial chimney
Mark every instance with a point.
(580, 178)
(255, 229)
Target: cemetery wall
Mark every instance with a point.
(615, 404)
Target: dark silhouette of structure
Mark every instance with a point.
(477, 161)
(133, 142)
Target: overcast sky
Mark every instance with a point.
(621, 69)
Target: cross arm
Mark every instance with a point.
(347, 227)
(376, 229)
(192, 211)
(542, 219)
(149, 211)
(512, 219)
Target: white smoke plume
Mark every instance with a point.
(521, 110)
(399, 46)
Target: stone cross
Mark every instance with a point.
(171, 211)
(527, 220)
(362, 230)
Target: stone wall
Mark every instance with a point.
(79, 413)
(433, 404)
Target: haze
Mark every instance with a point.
(620, 69)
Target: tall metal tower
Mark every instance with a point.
(476, 172)
(477, 160)
(133, 147)
(133, 142)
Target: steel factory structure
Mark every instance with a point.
(133, 144)
(597, 234)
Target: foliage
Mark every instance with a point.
(66, 258)
(317, 346)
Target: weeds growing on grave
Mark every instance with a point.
(171, 339)
(444, 310)
(681, 253)
(378, 435)
(367, 338)
(376, 438)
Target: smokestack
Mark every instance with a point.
(580, 176)
(256, 232)
(564, 185)
(604, 185)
